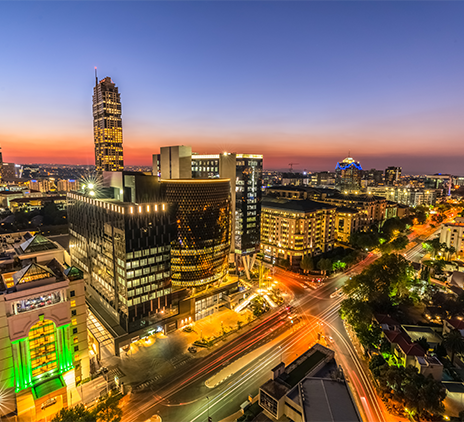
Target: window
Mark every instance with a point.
(74, 321)
(73, 303)
(73, 312)
(76, 348)
(72, 293)
(74, 330)
(76, 340)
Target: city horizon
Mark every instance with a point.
(395, 99)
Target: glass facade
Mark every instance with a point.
(247, 178)
(200, 248)
(42, 346)
(125, 250)
(249, 181)
(107, 126)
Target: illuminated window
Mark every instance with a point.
(42, 347)
(74, 321)
(73, 303)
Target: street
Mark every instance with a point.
(186, 397)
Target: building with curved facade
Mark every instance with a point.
(201, 244)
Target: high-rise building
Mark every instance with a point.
(201, 245)
(392, 175)
(107, 126)
(122, 242)
(43, 345)
(245, 172)
(291, 229)
(348, 175)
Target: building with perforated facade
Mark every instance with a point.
(201, 244)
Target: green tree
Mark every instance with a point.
(376, 363)
(365, 240)
(400, 243)
(307, 263)
(356, 313)
(454, 342)
(108, 409)
(422, 342)
(77, 413)
(324, 264)
(284, 263)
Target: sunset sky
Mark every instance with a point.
(301, 82)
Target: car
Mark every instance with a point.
(192, 349)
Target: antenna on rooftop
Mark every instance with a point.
(96, 77)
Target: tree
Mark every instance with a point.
(75, 414)
(454, 342)
(376, 363)
(108, 409)
(399, 243)
(365, 240)
(307, 263)
(284, 263)
(356, 313)
(324, 264)
(422, 342)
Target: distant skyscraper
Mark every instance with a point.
(348, 175)
(107, 126)
(392, 175)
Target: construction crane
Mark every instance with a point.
(291, 166)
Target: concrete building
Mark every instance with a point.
(453, 235)
(43, 341)
(372, 207)
(67, 185)
(347, 222)
(107, 126)
(296, 393)
(173, 162)
(291, 229)
(412, 197)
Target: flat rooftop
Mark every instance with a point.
(324, 399)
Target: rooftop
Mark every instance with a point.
(326, 400)
(305, 205)
(404, 343)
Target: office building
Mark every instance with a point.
(392, 175)
(201, 243)
(245, 173)
(43, 342)
(348, 175)
(291, 229)
(410, 196)
(122, 242)
(107, 126)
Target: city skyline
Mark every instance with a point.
(288, 76)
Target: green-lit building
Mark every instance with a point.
(43, 336)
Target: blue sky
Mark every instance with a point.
(297, 81)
